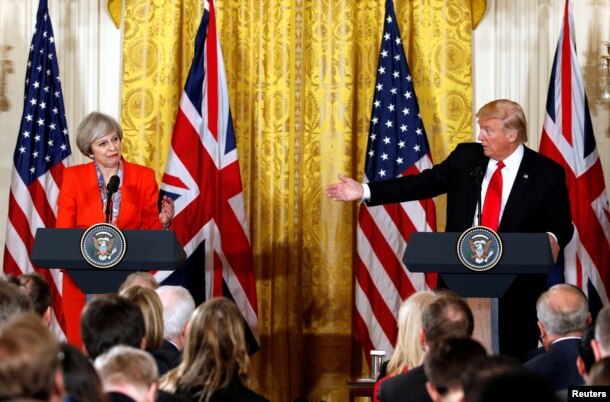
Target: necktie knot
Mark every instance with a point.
(493, 199)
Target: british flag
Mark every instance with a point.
(397, 146)
(567, 137)
(203, 177)
(42, 153)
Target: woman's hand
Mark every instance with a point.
(167, 211)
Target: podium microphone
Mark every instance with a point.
(111, 188)
(477, 175)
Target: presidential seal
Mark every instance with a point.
(479, 248)
(103, 245)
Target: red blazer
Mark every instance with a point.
(80, 205)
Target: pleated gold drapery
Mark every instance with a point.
(301, 77)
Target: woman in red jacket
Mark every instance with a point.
(83, 197)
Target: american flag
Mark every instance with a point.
(41, 154)
(202, 176)
(397, 146)
(567, 137)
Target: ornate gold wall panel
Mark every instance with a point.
(301, 76)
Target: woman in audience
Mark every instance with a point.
(215, 360)
(408, 352)
(150, 305)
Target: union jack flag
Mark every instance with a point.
(397, 146)
(42, 153)
(567, 137)
(203, 177)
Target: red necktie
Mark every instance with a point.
(493, 200)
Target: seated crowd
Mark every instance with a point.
(147, 343)
(452, 366)
(150, 343)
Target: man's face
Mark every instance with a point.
(498, 142)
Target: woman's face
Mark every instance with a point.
(106, 150)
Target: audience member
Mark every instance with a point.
(13, 300)
(81, 381)
(128, 374)
(408, 352)
(39, 292)
(447, 315)
(150, 304)
(601, 342)
(563, 315)
(215, 365)
(178, 306)
(29, 367)
(600, 373)
(481, 368)
(445, 364)
(110, 321)
(139, 278)
(586, 355)
(522, 385)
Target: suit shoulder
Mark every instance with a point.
(78, 171)
(471, 146)
(138, 169)
(543, 160)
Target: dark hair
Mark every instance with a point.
(38, 289)
(585, 349)
(485, 367)
(509, 387)
(448, 315)
(81, 381)
(109, 321)
(447, 360)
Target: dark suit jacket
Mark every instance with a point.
(558, 365)
(167, 357)
(538, 203)
(405, 387)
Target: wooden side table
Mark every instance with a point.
(361, 387)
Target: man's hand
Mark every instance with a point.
(554, 247)
(347, 189)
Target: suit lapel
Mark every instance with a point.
(475, 195)
(522, 182)
(126, 194)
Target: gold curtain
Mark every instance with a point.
(301, 76)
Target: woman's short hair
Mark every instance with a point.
(94, 126)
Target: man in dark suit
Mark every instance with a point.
(563, 315)
(534, 200)
(448, 315)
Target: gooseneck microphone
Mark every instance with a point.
(111, 188)
(476, 174)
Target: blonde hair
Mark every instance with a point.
(408, 352)
(124, 364)
(139, 278)
(214, 353)
(150, 304)
(509, 113)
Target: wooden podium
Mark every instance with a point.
(145, 250)
(524, 253)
